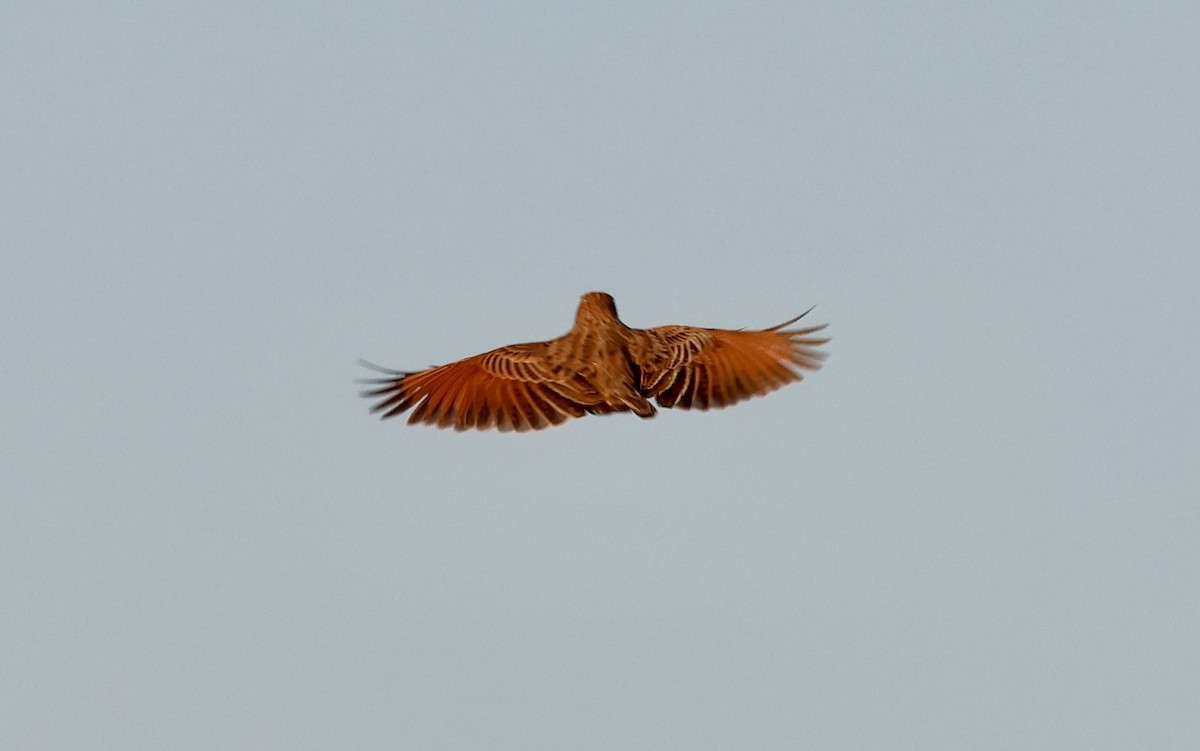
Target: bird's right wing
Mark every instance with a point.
(519, 387)
(696, 368)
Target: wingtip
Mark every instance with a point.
(380, 368)
(797, 318)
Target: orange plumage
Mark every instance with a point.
(600, 366)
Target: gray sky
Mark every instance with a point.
(976, 528)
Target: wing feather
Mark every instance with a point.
(699, 368)
(517, 387)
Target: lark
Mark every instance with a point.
(599, 367)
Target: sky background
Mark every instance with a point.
(978, 527)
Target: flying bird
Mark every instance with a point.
(598, 367)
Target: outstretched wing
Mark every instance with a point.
(519, 387)
(696, 368)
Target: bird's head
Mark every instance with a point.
(596, 305)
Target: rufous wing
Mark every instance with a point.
(511, 388)
(689, 367)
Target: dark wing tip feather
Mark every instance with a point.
(790, 321)
(381, 369)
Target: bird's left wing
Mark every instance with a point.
(519, 387)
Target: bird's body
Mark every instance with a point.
(598, 367)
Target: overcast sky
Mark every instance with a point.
(976, 528)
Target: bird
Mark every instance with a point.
(601, 366)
